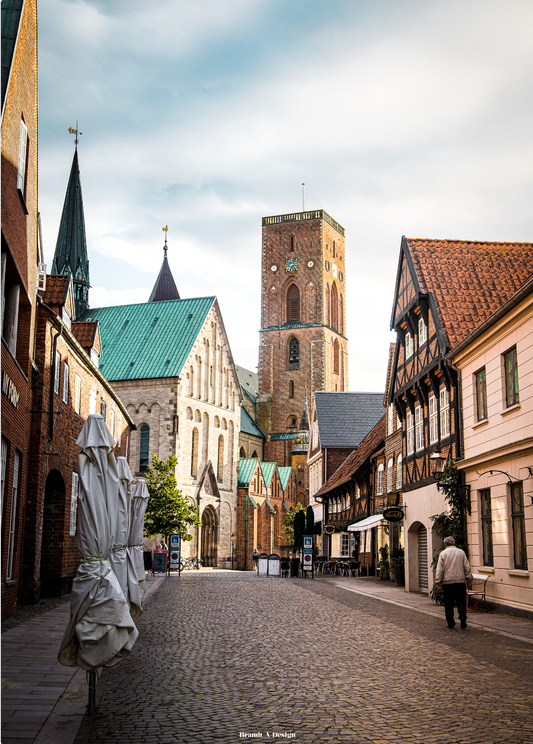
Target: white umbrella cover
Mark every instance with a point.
(139, 502)
(101, 631)
(119, 553)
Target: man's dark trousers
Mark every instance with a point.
(454, 593)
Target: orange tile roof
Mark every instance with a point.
(56, 288)
(470, 280)
(84, 333)
(354, 461)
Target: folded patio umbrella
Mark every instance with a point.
(139, 502)
(101, 631)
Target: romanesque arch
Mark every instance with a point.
(209, 552)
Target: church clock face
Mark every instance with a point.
(291, 265)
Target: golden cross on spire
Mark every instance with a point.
(76, 132)
(165, 230)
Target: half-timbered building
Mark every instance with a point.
(444, 290)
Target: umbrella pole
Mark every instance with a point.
(91, 680)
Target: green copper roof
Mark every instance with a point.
(149, 340)
(284, 475)
(284, 435)
(246, 470)
(70, 255)
(248, 425)
(267, 468)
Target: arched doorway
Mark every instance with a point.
(209, 537)
(423, 579)
(52, 546)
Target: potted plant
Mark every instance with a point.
(384, 562)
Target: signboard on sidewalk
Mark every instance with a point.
(308, 554)
(175, 546)
(160, 561)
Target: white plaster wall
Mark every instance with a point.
(420, 505)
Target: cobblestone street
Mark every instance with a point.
(228, 657)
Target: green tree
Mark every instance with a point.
(287, 531)
(169, 512)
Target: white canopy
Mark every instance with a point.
(101, 631)
(366, 524)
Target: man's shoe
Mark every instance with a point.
(451, 626)
(463, 623)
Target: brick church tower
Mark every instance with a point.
(303, 343)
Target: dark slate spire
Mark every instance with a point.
(165, 286)
(70, 256)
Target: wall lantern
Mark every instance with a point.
(437, 461)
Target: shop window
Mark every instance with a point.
(486, 526)
(345, 544)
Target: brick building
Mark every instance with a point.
(21, 267)
(303, 327)
(68, 386)
(444, 290)
(266, 494)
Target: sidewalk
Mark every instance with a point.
(494, 622)
(43, 702)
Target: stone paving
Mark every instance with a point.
(228, 657)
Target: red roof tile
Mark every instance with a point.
(56, 289)
(470, 280)
(84, 333)
(354, 461)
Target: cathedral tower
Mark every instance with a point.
(303, 326)
(70, 256)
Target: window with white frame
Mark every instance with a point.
(390, 466)
(422, 331)
(409, 345)
(345, 544)
(92, 401)
(23, 149)
(65, 382)
(57, 373)
(399, 478)
(433, 420)
(410, 430)
(419, 428)
(73, 504)
(112, 422)
(13, 516)
(444, 413)
(381, 469)
(391, 419)
(77, 393)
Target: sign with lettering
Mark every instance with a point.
(9, 390)
(160, 561)
(393, 514)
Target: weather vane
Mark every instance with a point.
(165, 247)
(76, 132)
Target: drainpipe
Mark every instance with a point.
(246, 531)
(52, 385)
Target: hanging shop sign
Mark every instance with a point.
(329, 529)
(393, 514)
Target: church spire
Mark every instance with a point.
(70, 255)
(165, 286)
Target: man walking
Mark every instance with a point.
(453, 570)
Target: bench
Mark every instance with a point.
(477, 591)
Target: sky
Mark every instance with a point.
(402, 117)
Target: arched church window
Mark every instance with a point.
(220, 461)
(242, 453)
(292, 243)
(144, 448)
(294, 351)
(334, 307)
(336, 356)
(293, 304)
(194, 453)
(291, 389)
(341, 315)
(327, 309)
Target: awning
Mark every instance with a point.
(366, 524)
